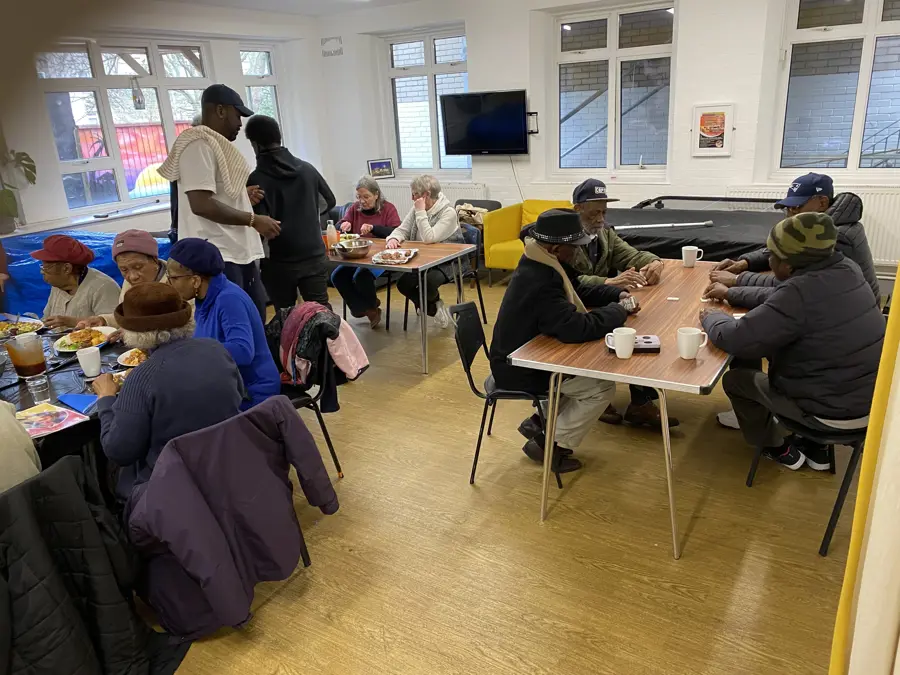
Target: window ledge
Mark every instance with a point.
(77, 222)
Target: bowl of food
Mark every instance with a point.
(349, 236)
(353, 248)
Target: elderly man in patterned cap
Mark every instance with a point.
(822, 332)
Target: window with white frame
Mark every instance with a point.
(115, 108)
(842, 85)
(423, 68)
(614, 71)
(261, 96)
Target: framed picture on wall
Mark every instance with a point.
(381, 168)
(712, 133)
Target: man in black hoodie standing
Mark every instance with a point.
(297, 259)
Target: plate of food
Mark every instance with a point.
(348, 236)
(81, 339)
(397, 256)
(132, 358)
(119, 376)
(11, 325)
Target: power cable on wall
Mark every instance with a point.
(515, 175)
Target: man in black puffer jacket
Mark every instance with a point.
(812, 193)
(821, 331)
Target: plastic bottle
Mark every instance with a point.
(331, 234)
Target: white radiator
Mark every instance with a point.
(881, 217)
(397, 192)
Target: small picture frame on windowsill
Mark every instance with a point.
(712, 133)
(381, 168)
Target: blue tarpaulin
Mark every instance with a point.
(26, 290)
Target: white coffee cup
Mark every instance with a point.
(89, 359)
(690, 341)
(690, 255)
(622, 342)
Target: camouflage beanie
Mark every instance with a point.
(803, 239)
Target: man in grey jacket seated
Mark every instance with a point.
(822, 332)
(431, 220)
(812, 193)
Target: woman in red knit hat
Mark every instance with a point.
(76, 290)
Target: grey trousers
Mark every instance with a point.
(756, 405)
(582, 400)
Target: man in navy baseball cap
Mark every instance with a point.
(609, 260)
(812, 193)
(223, 109)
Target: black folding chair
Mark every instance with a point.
(855, 439)
(469, 341)
(302, 399)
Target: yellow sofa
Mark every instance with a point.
(502, 246)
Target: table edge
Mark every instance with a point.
(408, 267)
(668, 385)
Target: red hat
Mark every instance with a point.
(135, 241)
(60, 248)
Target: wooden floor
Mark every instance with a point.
(421, 573)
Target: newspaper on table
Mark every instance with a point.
(46, 418)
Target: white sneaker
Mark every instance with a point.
(442, 316)
(728, 419)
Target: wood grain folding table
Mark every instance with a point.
(429, 256)
(672, 304)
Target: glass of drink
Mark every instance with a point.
(27, 355)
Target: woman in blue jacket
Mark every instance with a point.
(224, 312)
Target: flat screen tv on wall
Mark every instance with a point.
(485, 123)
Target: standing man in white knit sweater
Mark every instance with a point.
(213, 200)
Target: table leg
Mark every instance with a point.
(460, 285)
(670, 480)
(549, 436)
(423, 317)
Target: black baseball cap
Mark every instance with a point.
(591, 190)
(219, 94)
(805, 188)
(560, 226)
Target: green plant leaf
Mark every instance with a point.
(8, 205)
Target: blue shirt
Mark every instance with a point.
(228, 315)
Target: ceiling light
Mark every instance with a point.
(671, 10)
(567, 27)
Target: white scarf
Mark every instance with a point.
(536, 252)
(232, 166)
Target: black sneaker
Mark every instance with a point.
(789, 456)
(531, 427)
(563, 462)
(818, 457)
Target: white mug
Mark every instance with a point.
(89, 359)
(622, 342)
(690, 255)
(690, 341)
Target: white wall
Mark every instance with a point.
(720, 56)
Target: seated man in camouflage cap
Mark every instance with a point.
(822, 332)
